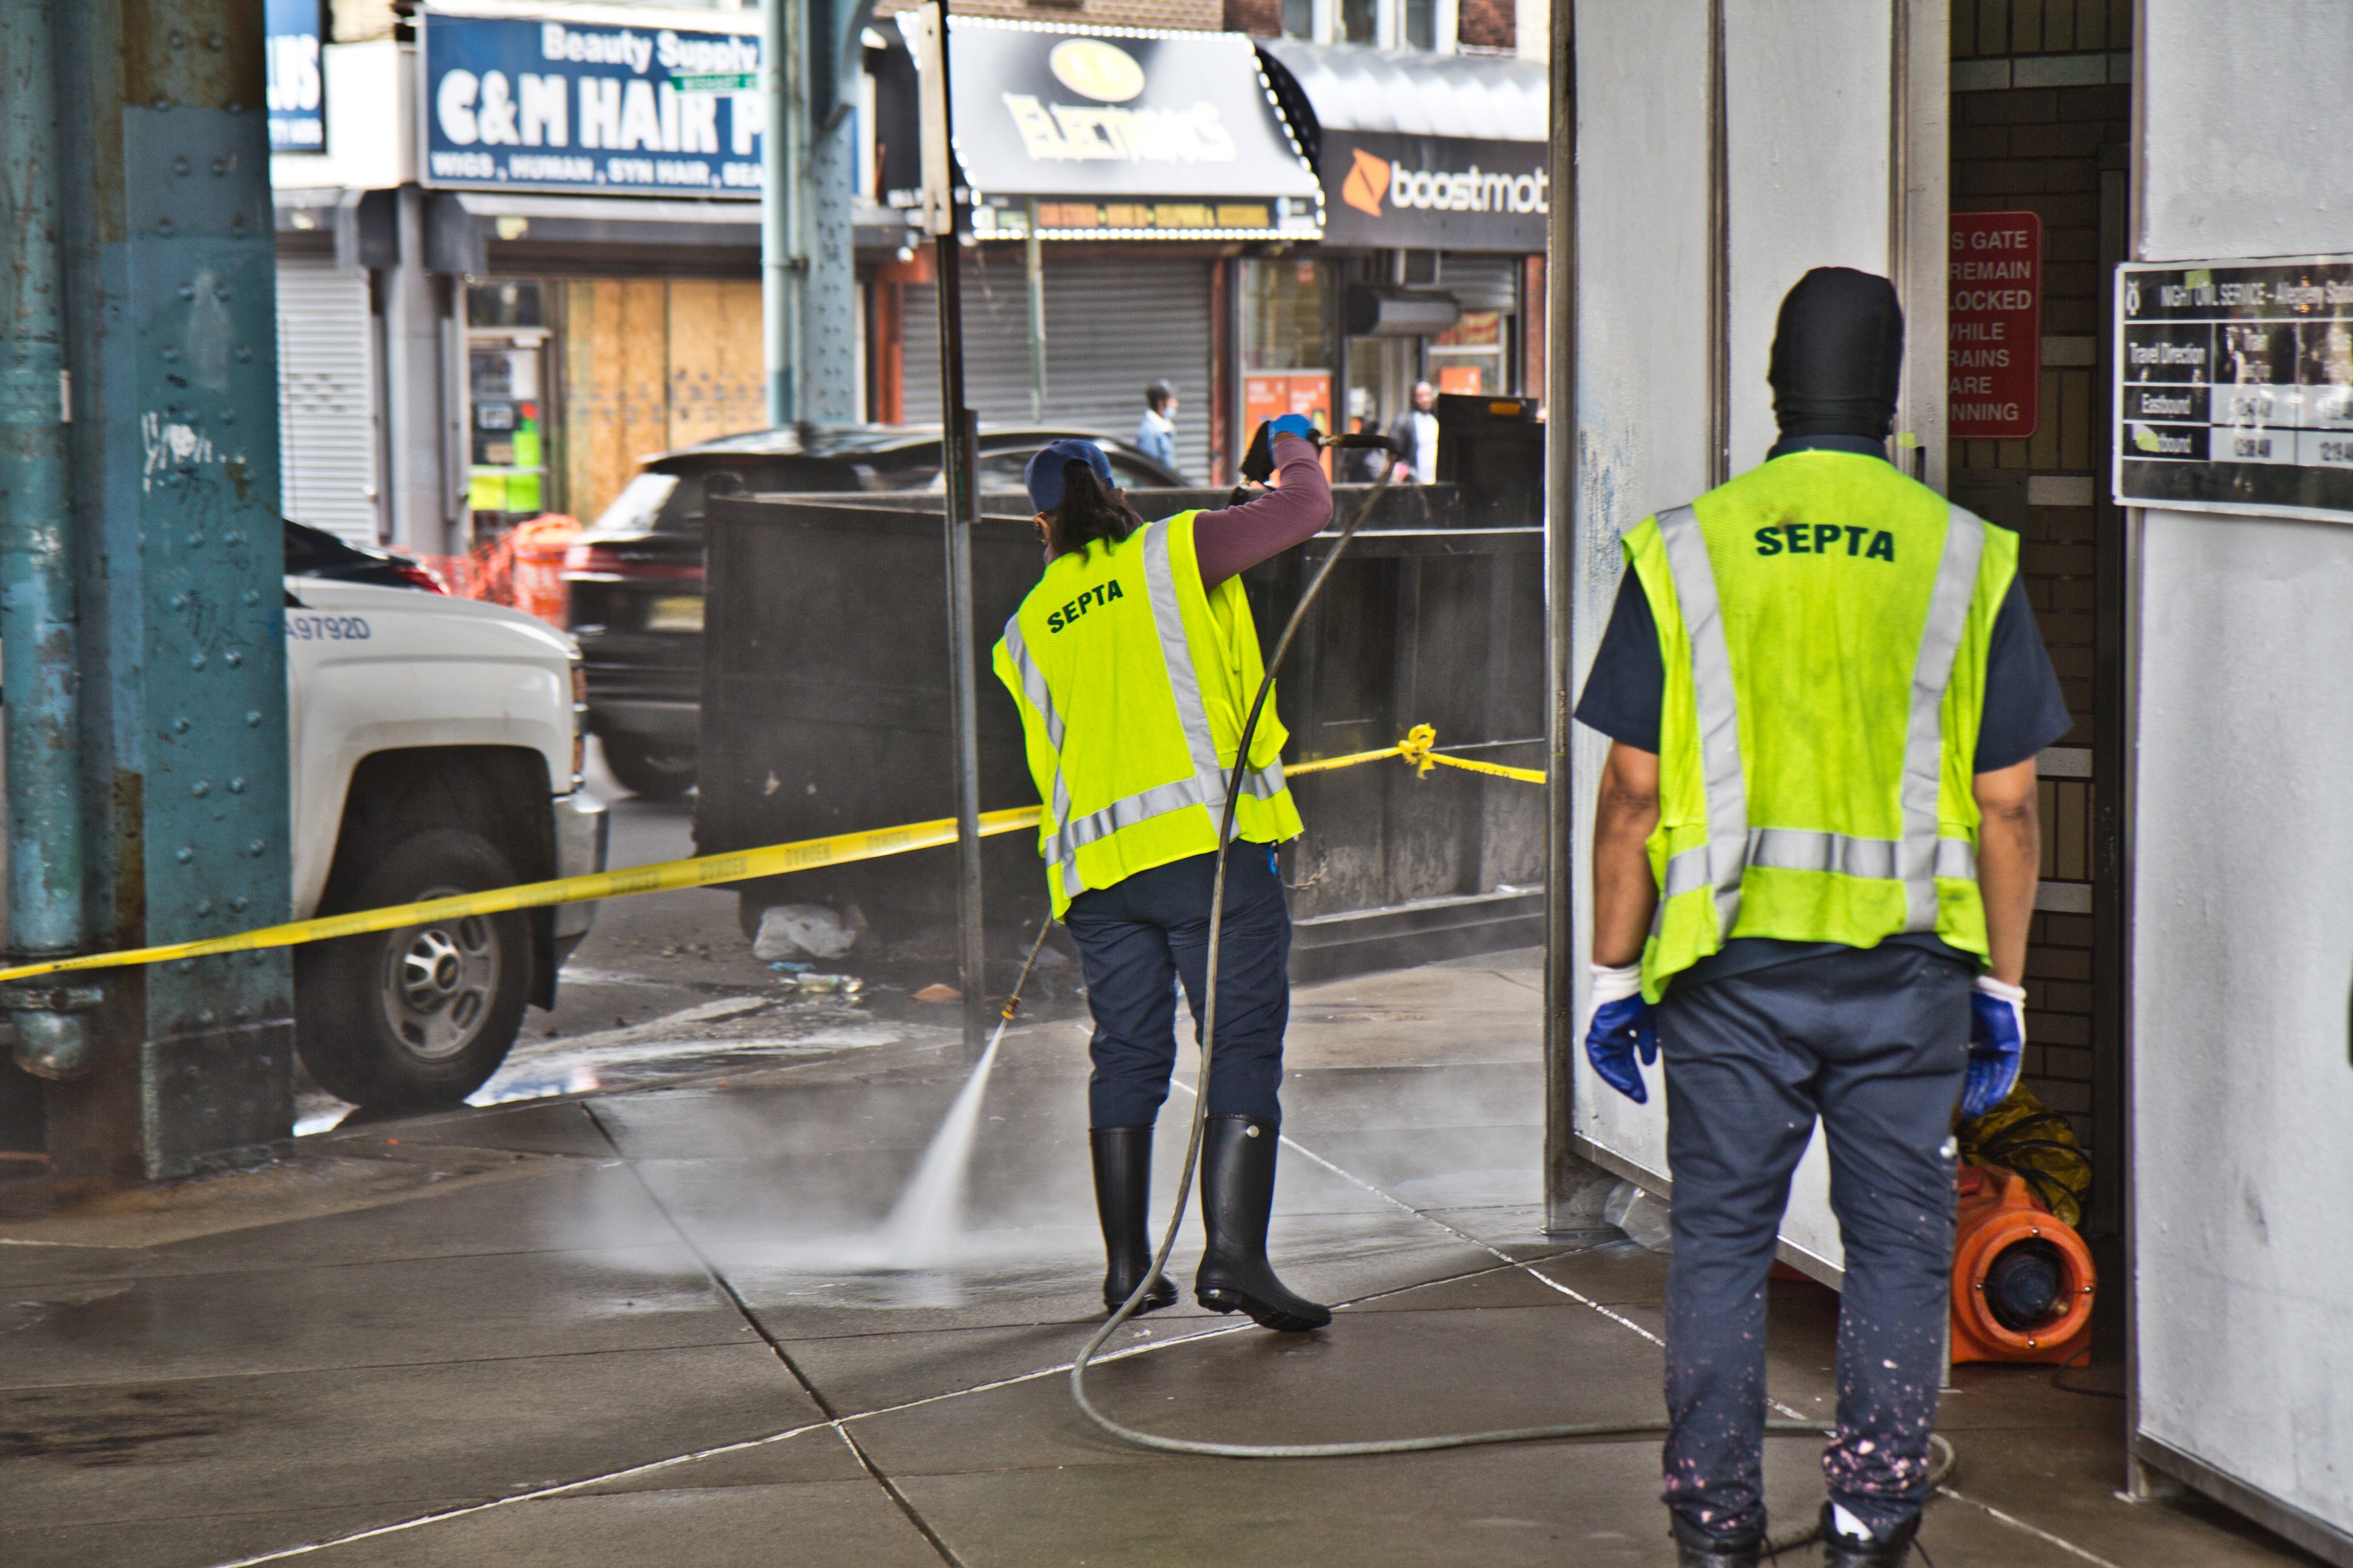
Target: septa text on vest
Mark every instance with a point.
(1823, 539)
(1101, 593)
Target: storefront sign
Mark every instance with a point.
(1123, 134)
(1270, 395)
(1993, 326)
(543, 105)
(1435, 192)
(297, 94)
(2235, 387)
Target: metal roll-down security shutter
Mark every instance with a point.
(1113, 325)
(327, 399)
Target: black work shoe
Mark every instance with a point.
(1123, 1182)
(1888, 1550)
(1237, 1196)
(1696, 1548)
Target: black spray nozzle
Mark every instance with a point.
(1258, 463)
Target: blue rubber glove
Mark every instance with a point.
(1297, 424)
(1997, 1037)
(1622, 1024)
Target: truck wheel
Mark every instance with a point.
(420, 1015)
(648, 769)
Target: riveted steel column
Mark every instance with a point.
(828, 370)
(36, 590)
(171, 335)
(784, 264)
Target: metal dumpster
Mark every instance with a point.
(826, 710)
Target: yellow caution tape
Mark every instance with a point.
(1416, 749)
(702, 871)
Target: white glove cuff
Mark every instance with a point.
(2013, 995)
(1615, 984)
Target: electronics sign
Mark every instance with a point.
(530, 105)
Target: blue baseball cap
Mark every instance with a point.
(1043, 477)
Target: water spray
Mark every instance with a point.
(1797, 1536)
(930, 1209)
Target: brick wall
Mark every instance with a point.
(1487, 24)
(1259, 18)
(1203, 14)
(2037, 95)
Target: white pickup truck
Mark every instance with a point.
(437, 749)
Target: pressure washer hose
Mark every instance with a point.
(1795, 1537)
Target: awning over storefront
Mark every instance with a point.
(1123, 133)
(1420, 151)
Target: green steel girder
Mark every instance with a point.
(172, 336)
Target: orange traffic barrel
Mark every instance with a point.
(539, 546)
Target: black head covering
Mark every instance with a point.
(1837, 354)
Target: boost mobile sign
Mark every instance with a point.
(1435, 191)
(522, 104)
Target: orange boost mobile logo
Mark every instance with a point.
(1367, 182)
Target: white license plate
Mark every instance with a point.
(683, 613)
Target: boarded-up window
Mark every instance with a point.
(649, 366)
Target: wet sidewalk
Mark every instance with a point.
(642, 1327)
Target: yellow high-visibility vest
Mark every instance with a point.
(1133, 684)
(1824, 622)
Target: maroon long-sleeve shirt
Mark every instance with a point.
(1232, 540)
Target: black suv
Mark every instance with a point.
(636, 574)
(315, 553)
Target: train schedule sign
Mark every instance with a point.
(1993, 352)
(2235, 387)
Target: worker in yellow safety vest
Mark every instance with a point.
(1814, 860)
(1133, 663)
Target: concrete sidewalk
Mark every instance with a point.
(643, 1327)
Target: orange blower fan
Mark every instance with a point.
(2023, 1279)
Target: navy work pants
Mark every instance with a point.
(1137, 937)
(1875, 1041)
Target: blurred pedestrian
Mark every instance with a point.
(1365, 465)
(1419, 432)
(1156, 433)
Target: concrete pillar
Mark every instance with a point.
(416, 418)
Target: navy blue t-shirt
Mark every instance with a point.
(2024, 712)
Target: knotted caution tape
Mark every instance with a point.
(701, 871)
(1417, 750)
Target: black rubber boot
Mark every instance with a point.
(1123, 1182)
(1237, 1196)
(1696, 1548)
(1889, 1551)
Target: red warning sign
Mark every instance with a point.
(1993, 326)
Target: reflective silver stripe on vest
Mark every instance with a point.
(1921, 857)
(1924, 741)
(1956, 861)
(1042, 698)
(1801, 849)
(1176, 653)
(1158, 801)
(1719, 718)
